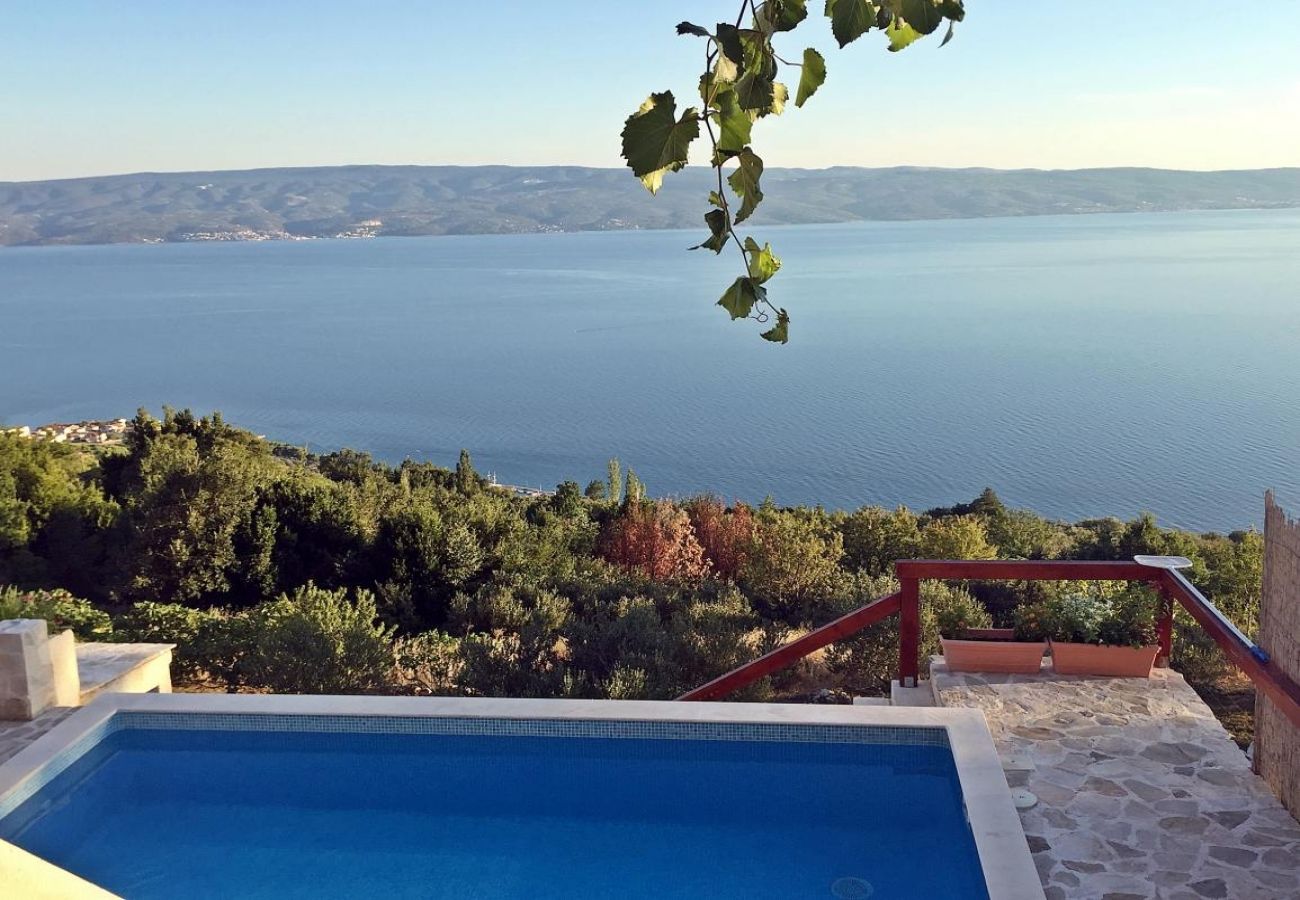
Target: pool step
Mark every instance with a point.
(871, 701)
(921, 695)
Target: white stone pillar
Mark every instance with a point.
(26, 669)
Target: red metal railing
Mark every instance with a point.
(794, 651)
(906, 602)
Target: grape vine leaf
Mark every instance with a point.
(923, 15)
(734, 124)
(780, 332)
(689, 28)
(813, 77)
(740, 298)
(754, 91)
(716, 219)
(900, 35)
(728, 38)
(655, 142)
(850, 19)
(744, 181)
(763, 263)
(781, 15)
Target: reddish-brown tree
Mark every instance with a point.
(725, 536)
(656, 539)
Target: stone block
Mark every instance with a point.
(26, 672)
(63, 659)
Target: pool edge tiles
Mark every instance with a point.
(1004, 858)
(631, 729)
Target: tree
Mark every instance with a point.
(875, 538)
(738, 88)
(633, 490)
(655, 539)
(467, 480)
(596, 490)
(567, 500)
(189, 489)
(725, 536)
(615, 492)
(792, 561)
(956, 537)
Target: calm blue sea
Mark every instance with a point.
(1080, 365)
(167, 814)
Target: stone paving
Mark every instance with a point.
(14, 736)
(1141, 793)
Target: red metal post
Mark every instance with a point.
(1165, 626)
(909, 631)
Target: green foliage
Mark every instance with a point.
(193, 631)
(1124, 618)
(956, 537)
(656, 142)
(202, 527)
(874, 538)
(467, 480)
(812, 77)
(792, 562)
(59, 609)
(428, 663)
(334, 642)
(960, 615)
(614, 492)
(738, 87)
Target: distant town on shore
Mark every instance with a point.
(384, 201)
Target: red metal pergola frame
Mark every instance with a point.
(906, 602)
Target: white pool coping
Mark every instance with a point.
(1009, 871)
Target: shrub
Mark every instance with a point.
(957, 613)
(1126, 619)
(168, 623)
(956, 537)
(59, 609)
(428, 663)
(317, 641)
(866, 662)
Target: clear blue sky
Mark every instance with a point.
(103, 87)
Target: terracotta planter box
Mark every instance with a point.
(1022, 657)
(1094, 659)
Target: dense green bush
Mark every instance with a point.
(59, 609)
(1120, 618)
(317, 641)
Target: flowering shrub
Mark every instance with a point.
(59, 609)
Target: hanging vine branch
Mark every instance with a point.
(739, 87)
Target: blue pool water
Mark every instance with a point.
(196, 813)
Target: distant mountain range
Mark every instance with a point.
(372, 201)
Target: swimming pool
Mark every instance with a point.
(182, 796)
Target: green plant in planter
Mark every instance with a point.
(959, 614)
(1131, 620)
(1123, 619)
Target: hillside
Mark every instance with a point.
(367, 201)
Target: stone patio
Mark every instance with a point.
(14, 736)
(1141, 793)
